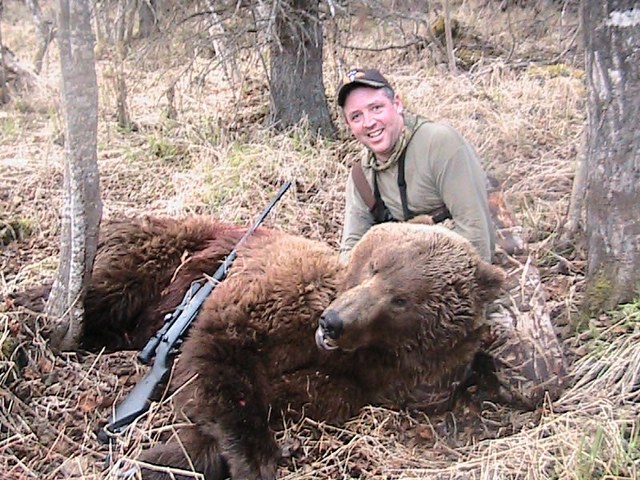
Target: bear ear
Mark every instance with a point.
(355, 266)
(489, 279)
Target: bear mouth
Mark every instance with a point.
(323, 342)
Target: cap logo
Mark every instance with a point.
(353, 74)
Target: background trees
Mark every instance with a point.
(518, 96)
(612, 203)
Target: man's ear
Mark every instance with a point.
(398, 103)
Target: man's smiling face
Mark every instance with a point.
(374, 119)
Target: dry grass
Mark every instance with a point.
(216, 158)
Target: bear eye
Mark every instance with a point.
(373, 268)
(399, 302)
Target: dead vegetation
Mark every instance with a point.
(522, 106)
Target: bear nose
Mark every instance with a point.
(331, 324)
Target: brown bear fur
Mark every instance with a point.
(137, 259)
(290, 332)
(142, 269)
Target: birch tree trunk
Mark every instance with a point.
(449, 37)
(82, 208)
(612, 41)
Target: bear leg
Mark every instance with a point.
(194, 452)
(234, 412)
(227, 401)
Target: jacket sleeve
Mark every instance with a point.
(357, 220)
(462, 185)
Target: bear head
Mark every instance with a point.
(409, 285)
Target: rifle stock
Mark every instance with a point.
(133, 406)
(164, 343)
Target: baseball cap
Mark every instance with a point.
(369, 77)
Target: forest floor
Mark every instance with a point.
(520, 101)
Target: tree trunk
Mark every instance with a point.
(122, 106)
(147, 18)
(575, 222)
(120, 25)
(449, 37)
(122, 47)
(4, 95)
(82, 209)
(297, 91)
(103, 26)
(224, 53)
(612, 41)
(131, 13)
(45, 34)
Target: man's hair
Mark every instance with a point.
(389, 93)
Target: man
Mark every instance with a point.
(413, 166)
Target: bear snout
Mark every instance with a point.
(328, 330)
(331, 324)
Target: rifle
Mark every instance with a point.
(165, 342)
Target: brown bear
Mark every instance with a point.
(291, 332)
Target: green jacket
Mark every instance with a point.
(441, 168)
